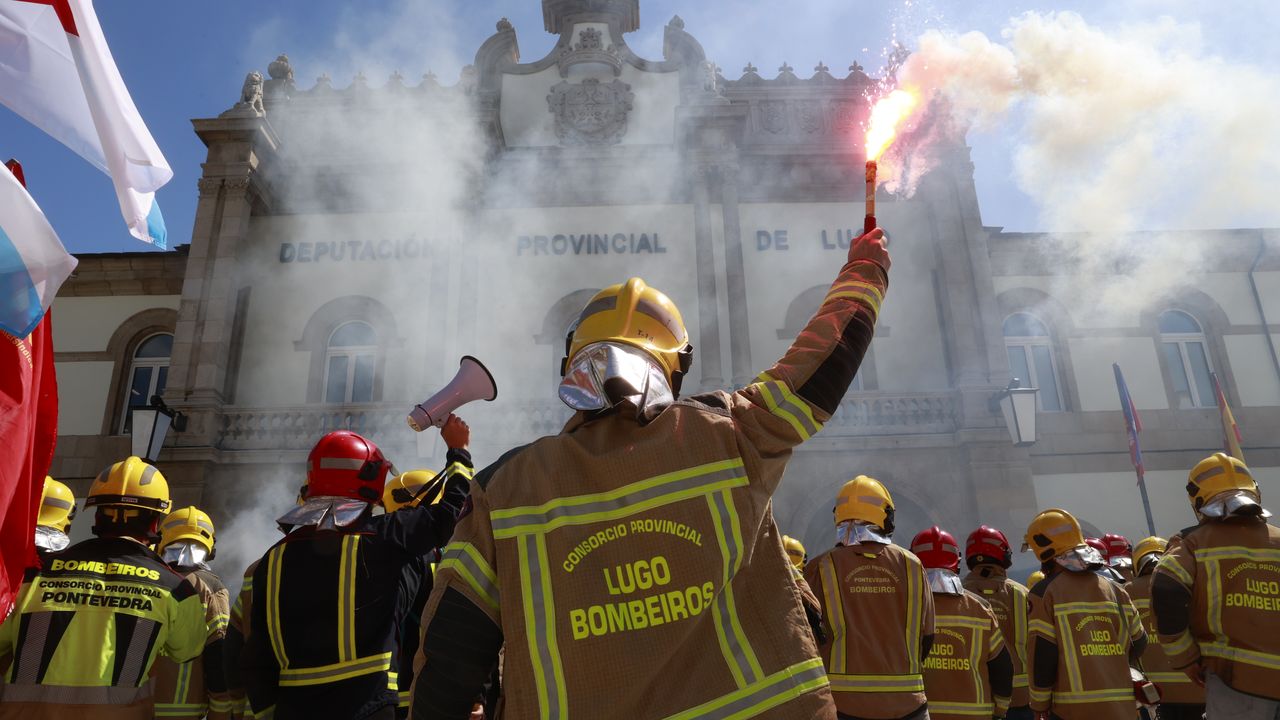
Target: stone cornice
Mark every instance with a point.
(127, 273)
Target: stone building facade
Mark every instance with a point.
(350, 244)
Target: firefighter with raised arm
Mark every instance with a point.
(877, 609)
(57, 510)
(1216, 594)
(86, 629)
(196, 688)
(631, 564)
(968, 672)
(322, 629)
(988, 555)
(1181, 699)
(1084, 632)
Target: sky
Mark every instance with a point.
(185, 60)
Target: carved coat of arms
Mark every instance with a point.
(773, 115)
(591, 113)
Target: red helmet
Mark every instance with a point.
(1098, 545)
(936, 548)
(988, 545)
(1117, 546)
(343, 464)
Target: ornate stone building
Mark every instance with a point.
(350, 244)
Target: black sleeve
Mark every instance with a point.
(418, 530)
(1046, 669)
(233, 646)
(1171, 604)
(258, 666)
(1136, 648)
(215, 676)
(829, 383)
(814, 615)
(1000, 670)
(461, 649)
(926, 644)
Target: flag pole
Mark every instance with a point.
(1146, 502)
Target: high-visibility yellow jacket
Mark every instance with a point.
(237, 631)
(1008, 601)
(879, 614)
(86, 630)
(631, 564)
(1216, 597)
(968, 672)
(198, 687)
(1175, 686)
(1083, 633)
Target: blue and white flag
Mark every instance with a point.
(33, 263)
(57, 72)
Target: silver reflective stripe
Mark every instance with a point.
(58, 503)
(32, 647)
(784, 686)
(726, 614)
(785, 402)
(341, 463)
(135, 657)
(354, 668)
(536, 618)
(147, 473)
(205, 526)
(466, 561)
(73, 695)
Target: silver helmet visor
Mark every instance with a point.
(184, 554)
(1233, 503)
(326, 513)
(51, 539)
(604, 374)
(944, 581)
(854, 532)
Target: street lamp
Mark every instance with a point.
(1018, 405)
(150, 425)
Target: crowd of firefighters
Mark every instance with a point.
(630, 567)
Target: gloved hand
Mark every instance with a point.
(870, 247)
(456, 433)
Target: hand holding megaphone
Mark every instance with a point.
(473, 382)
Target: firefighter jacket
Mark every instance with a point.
(322, 627)
(1008, 600)
(237, 630)
(1175, 686)
(879, 617)
(812, 607)
(968, 672)
(85, 631)
(632, 564)
(192, 689)
(1084, 632)
(1216, 598)
(415, 588)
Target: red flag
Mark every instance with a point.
(1231, 437)
(28, 431)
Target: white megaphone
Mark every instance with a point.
(473, 382)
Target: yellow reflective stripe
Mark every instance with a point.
(1236, 552)
(776, 689)
(1168, 564)
(275, 561)
(1084, 607)
(221, 705)
(405, 696)
(267, 714)
(1091, 696)
(976, 665)
(865, 292)
(216, 624)
(183, 684)
(961, 621)
(1019, 610)
(1180, 645)
(295, 677)
(1043, 628)
(622, 502)
(915, 613)
(458, 468)
(1168, 677)
(179, 710)
(1073, 660)
(737, 651)
(997, 642)
(540, 627)
(876, 683)
(347, 598)
(790, 407)
(1038, 695)
(1020, 681)
(1142, 603)
(1248, 657)
(835, 613)
(1213, 593)
(981, 709)
(465, 560)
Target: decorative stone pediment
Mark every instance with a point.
(590, 49)
(591, 112)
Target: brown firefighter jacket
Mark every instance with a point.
(632, 565)
(192, 689)
(1216, 598)
(968, 672)
(879, 614)
(1175, 686)
(237, 631)
(1084, 632)
(1008, 601)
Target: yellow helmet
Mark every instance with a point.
(1148, 546)
(795, 551)
(131, 485)
(637, 315)
(866, 499)
(1034, 578)
(1052, 533)
(1216, 474)
(401, 490)
(189, 523)
(57, 505)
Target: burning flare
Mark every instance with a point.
(886, 114)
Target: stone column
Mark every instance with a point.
(707, 345)
(735, 280)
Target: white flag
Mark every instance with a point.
(33, 263)
(57, 72)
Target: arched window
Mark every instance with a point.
(1031, 360)
(350, 361)
(1183, 342)
(148, 374)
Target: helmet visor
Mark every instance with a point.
(1233, 503)
(184, 553)
(603, 374)
(326, 513)
(51, 539)
(943, 581)
(854, 532)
